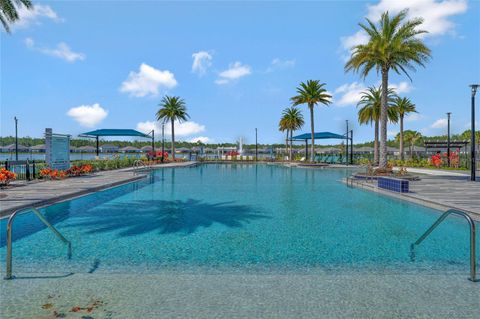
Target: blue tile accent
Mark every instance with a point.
(393, 184)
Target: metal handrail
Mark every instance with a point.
(9, 236)
(138, 165)
(473, 262)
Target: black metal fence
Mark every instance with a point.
(25, 170)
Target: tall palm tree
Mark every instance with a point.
(282, 127)
(311, 93)
(393, 45)
(403, 105)
(172, 109)
(9, 13)
(412, 137)
(292, 120)
(369, 112)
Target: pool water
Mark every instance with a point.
(238, 217)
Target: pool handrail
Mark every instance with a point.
(473, 262)
(9, 236)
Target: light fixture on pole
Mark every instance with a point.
(163, 141)
(16, 138)
(256, 144)
(473, 166)
(448, 138)
(346, 146)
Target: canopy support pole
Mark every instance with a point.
(98, 147)
(306, 149)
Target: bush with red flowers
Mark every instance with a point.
(48, 173)
(78, 170)
(6, 176)
(436, 160)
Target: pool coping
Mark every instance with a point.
(409, 198)
(4, 213)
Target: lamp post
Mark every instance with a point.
(351, 147)
(163, 141)
(256, 144)
(153, 140)
(448, 138)
(16, 138)
(346, 146)
(473, 165)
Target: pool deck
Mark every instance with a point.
(438, 189)
(41, 193)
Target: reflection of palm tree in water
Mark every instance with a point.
(167, 217)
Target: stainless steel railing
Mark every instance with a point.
(9, 236)
(473, 261)
(138, 166)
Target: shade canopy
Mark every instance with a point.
(318, 136)
(115, 132)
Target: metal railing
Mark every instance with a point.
(138, 165)
(473, 262)
(9, 236)
(25, 170)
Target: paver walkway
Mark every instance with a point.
(40, 193)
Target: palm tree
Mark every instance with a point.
(392, 45)
(292, 120)
(172, 109)
(412, 137)
(282, 127)
(8, 11)
(403, 106)
(311, 93)
(369, 112)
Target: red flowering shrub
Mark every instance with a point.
(79, 170)
(6, 176)
(436, 160)
(49, 173)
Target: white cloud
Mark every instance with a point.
(440, 123)
(350, 94)
(61, 51)
(88, 115)
(278, 64)
(412, 117)
(148, 81)
(235, 71)
(28, 17)
(181, 129)
(353, 40)
(402, 87)
(203, 139)
(392, 133)
(436, 15)
(202, 60)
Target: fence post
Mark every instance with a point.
(33, 169)
(27, 170)
(7, 166)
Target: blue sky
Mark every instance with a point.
(78, 66)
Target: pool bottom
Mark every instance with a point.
(177, 295)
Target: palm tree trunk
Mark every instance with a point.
(312, 155)
(402, 157)
(383, 120)
(173, 141)
(291, 145)
(286, 143)
(375, 145)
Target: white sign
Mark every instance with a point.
(57, 149)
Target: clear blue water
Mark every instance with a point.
(237, 217)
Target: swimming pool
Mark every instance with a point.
(219, 218)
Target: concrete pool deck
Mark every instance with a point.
(178, 295)
(41, 193)
(438, 189)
